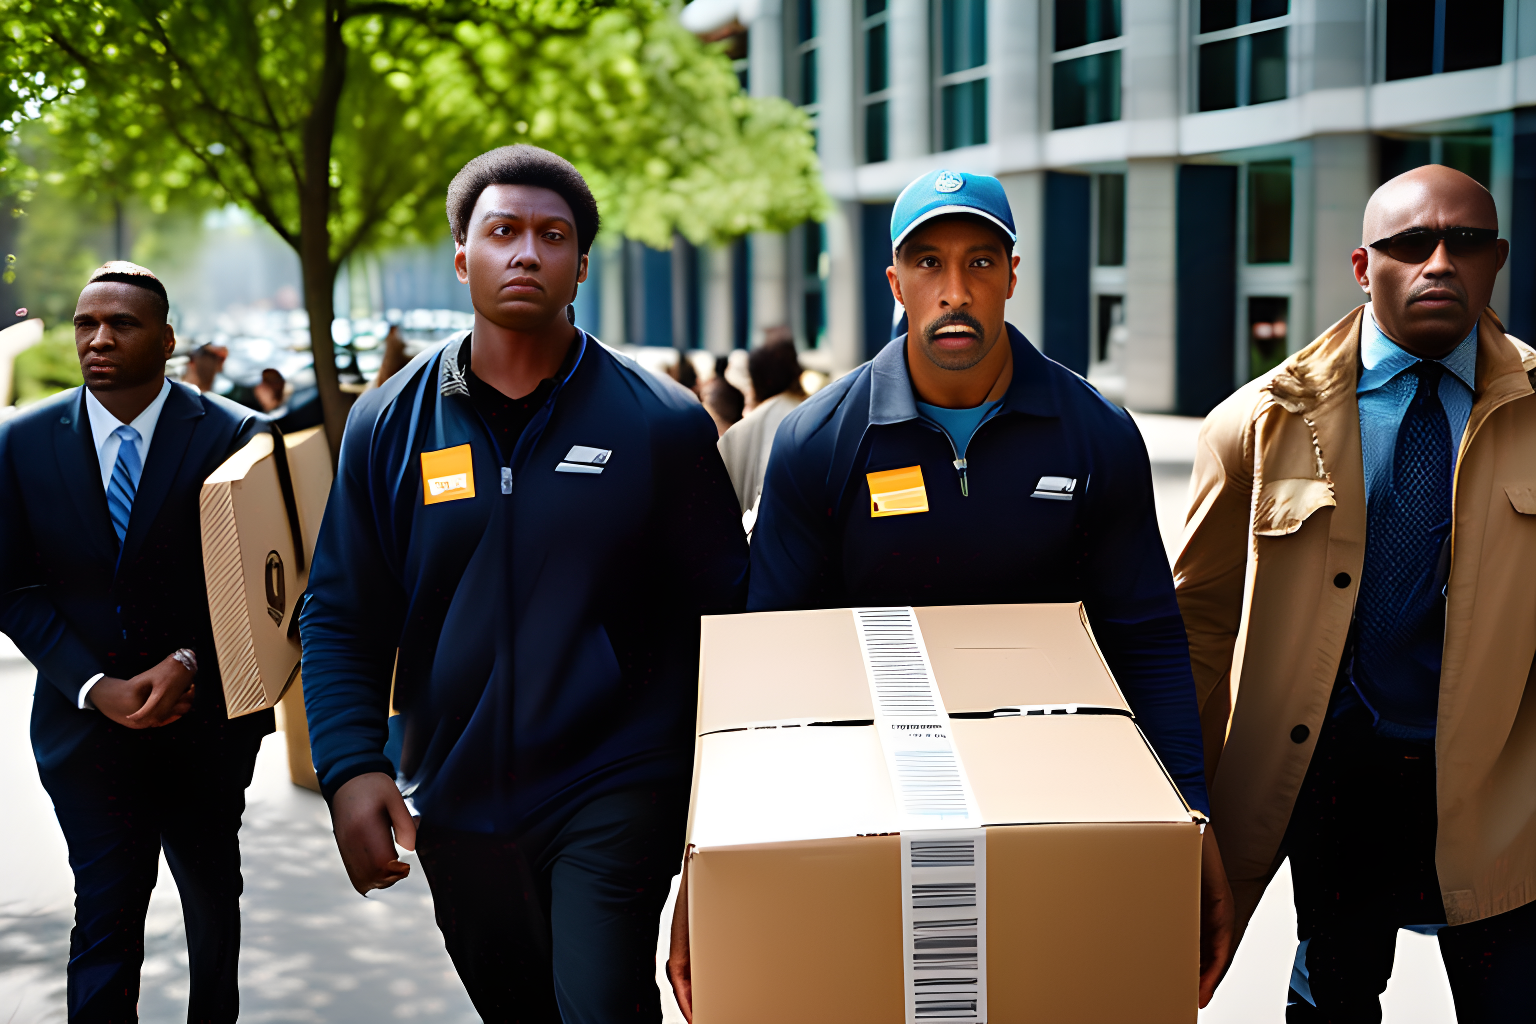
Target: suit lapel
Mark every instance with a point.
(173, 432)
(75, 454)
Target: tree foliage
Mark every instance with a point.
(340, 122)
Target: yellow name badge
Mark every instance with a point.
(897, 492)
(447, 475)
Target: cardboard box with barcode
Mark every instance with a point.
(939, 814)
(256, 550)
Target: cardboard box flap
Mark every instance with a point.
(1065, 768)
(806, 666)
(823, 782)
(309, 461)
(789, 784)
(994, 656)
(781, 666)
(239, 465)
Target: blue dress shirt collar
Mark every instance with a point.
(1383, 359)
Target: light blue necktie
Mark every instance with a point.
(125, 480)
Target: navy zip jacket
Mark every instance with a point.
(544, 602)
(1010, 538)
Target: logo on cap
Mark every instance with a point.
(948, 181)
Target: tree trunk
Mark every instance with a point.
(315, 230)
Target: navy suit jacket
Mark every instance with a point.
(75, 608)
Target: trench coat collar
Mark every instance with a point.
(1318, 383)
(1504, 366)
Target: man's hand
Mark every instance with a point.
(679, 964)
(362, 813)
(1217, 917)
(150, 699)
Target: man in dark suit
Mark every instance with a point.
(101, 586)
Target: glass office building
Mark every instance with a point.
(1187, 176)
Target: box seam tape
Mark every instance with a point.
(943, 841)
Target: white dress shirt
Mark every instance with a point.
(103, 423)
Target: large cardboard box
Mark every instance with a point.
(945, 814)
(256, 551)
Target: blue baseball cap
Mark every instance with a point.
(939, 193)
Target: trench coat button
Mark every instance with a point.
(1300, 734)
(1341, 580)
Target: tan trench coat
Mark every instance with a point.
(1267, 577)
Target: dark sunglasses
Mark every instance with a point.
(1417, 245)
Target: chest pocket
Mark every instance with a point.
(1285, 504)
(1523, 497)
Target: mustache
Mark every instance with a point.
(959, 316)
(1450, 286)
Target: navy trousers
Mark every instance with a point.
(120, 802)
(1362, 848)
(559, 924)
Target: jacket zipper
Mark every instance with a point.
(961, 465)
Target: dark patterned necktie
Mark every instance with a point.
(1400, 614)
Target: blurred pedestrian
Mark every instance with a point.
(722, 399)
(272, 391)
(102, 588)
(523, 534)
(205, 362)
(1356, 579)
(775, 370)
(683, 372)
(394, 356)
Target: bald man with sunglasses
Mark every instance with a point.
(1358, 579)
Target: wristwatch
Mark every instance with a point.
(188, 659)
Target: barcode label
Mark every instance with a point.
(943, 846)
(944, 921)
(926, 773)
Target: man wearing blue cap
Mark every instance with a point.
(960, 466)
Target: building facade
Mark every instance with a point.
(1187, 176)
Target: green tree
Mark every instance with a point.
(48, 367)
(340, 122)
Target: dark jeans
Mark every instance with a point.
(560, 923)
(119, 803)
(1362, 848)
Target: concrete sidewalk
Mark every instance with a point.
(313, 950)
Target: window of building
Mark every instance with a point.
(1080, 22)
(1428, 37)
(1085, 76)
(1111, 220)
(877, 82)
(1242, 49)
(962, 82)
(1269, 212)
(1468, 152)
(805, 53)
(1268, 316)
(813, 271)
(1111, 328)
